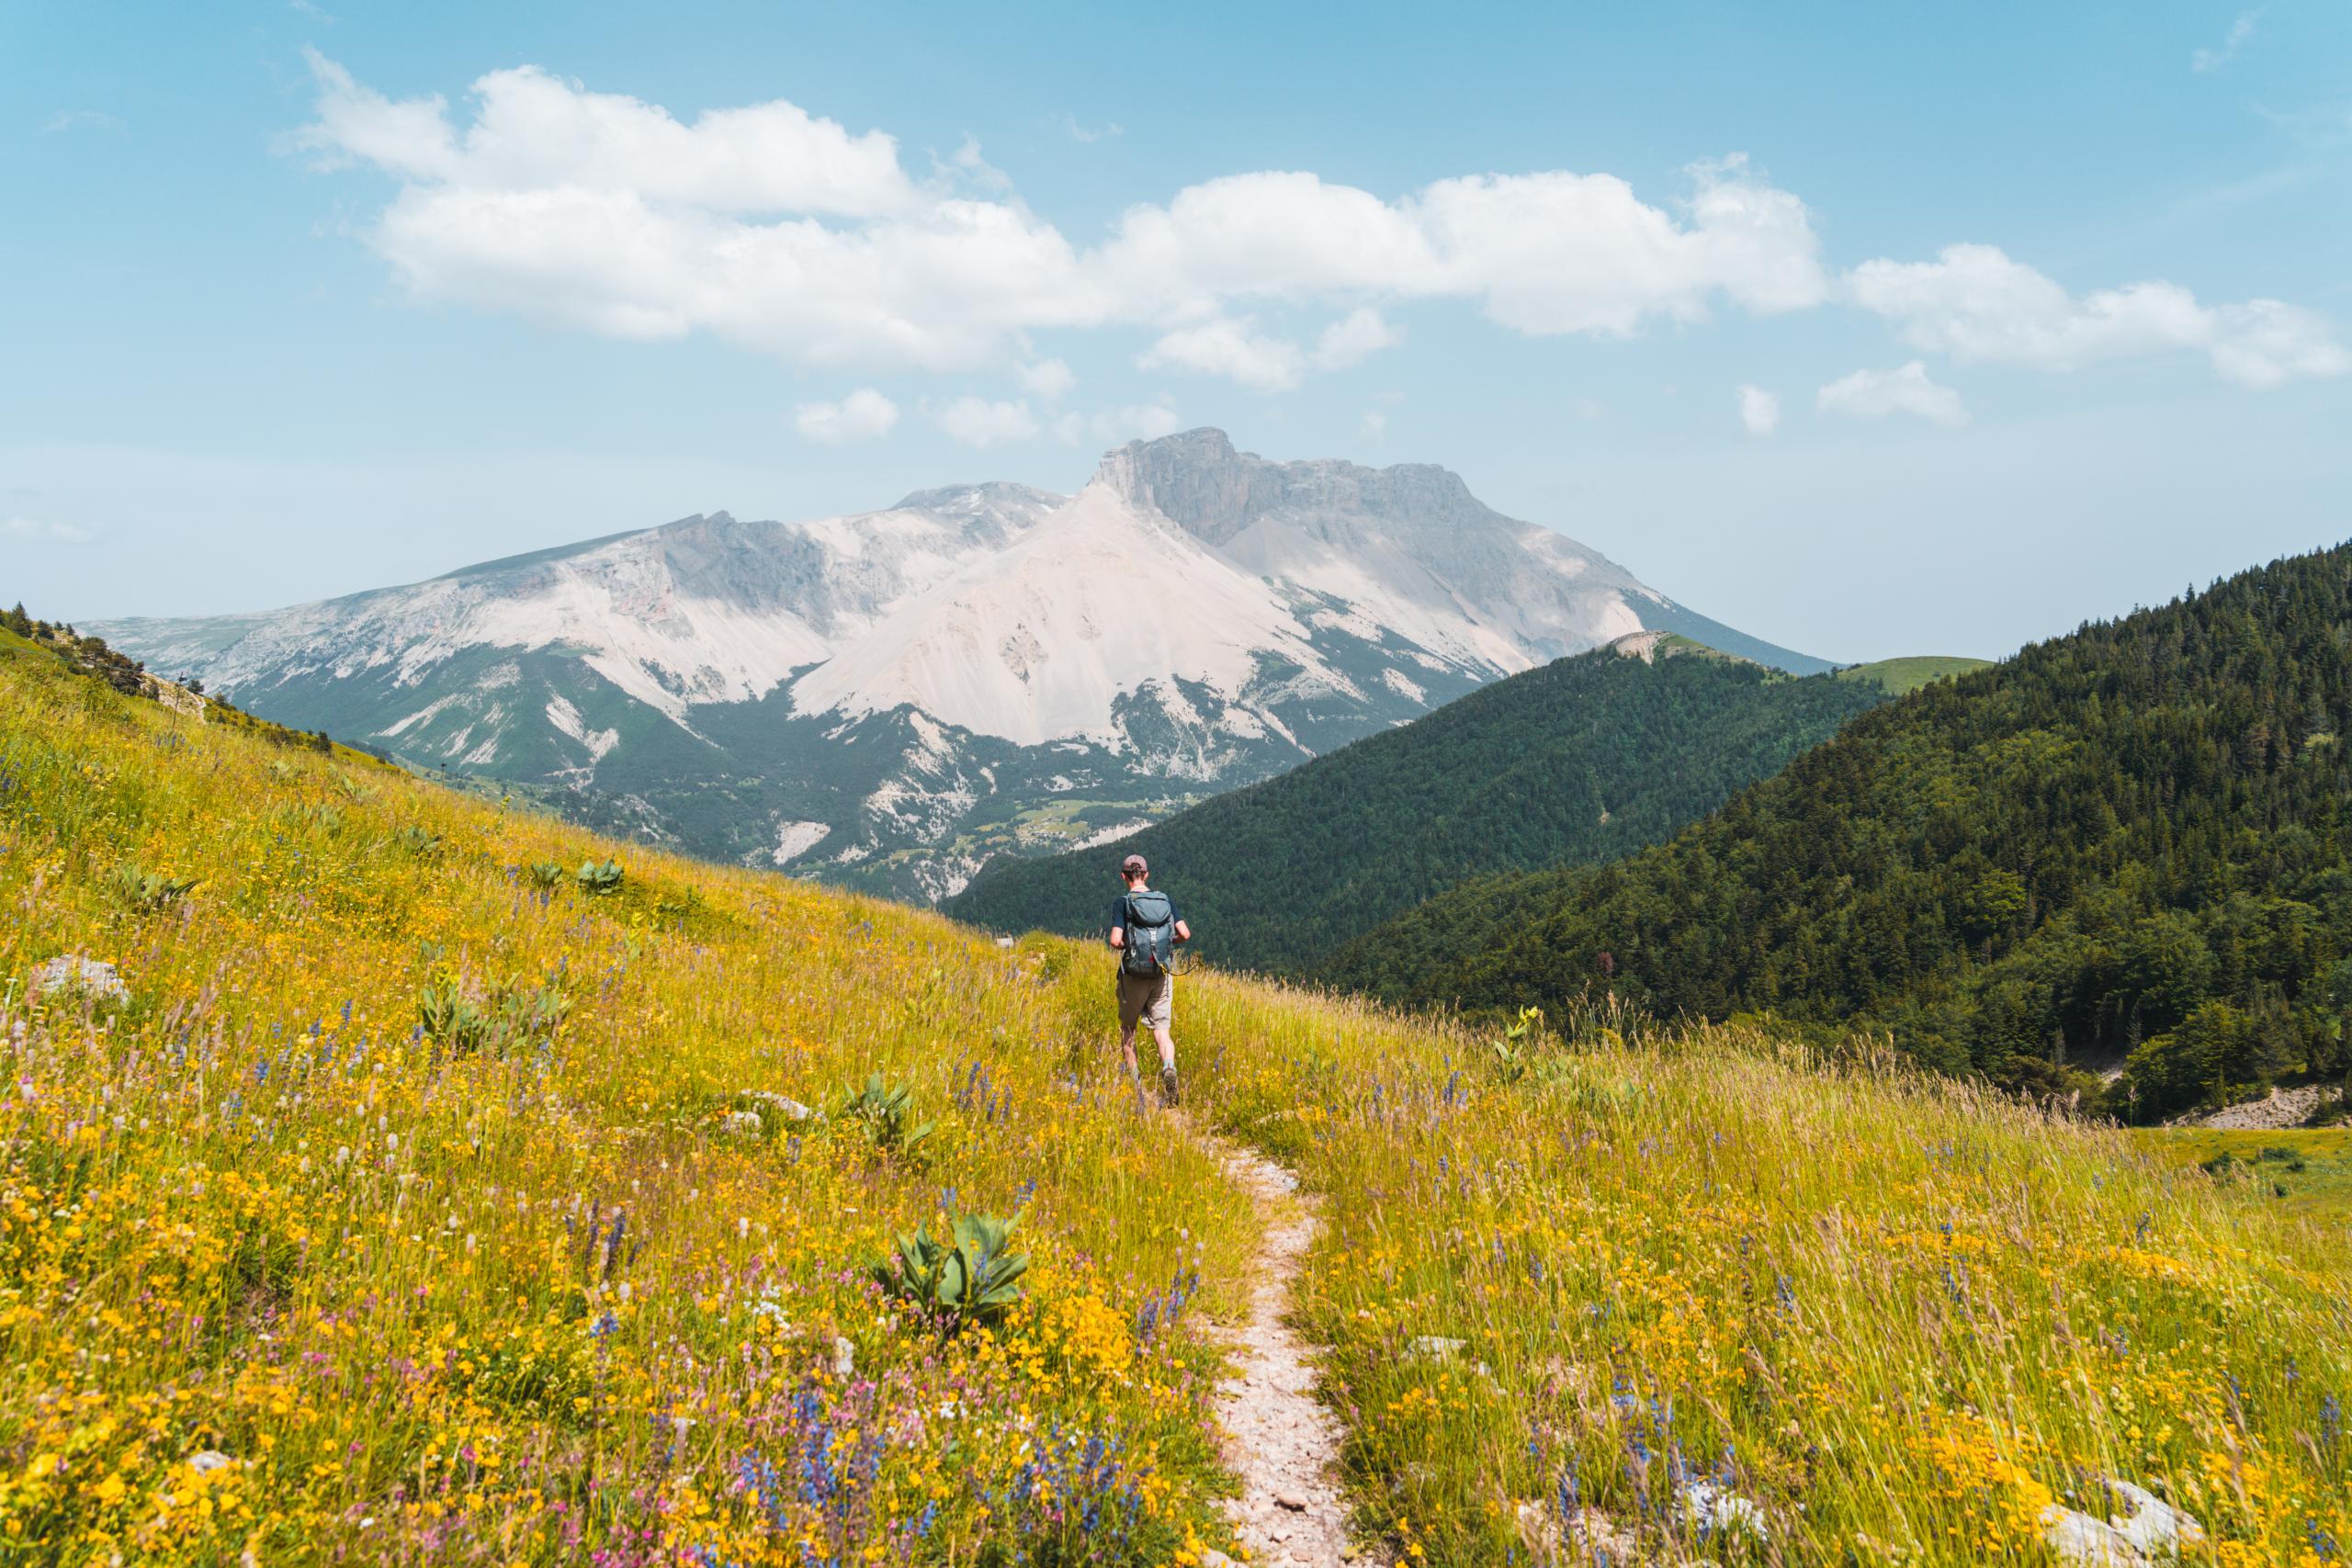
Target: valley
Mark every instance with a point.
(1582, 760)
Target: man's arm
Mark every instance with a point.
(1118, 936)
(1183, 932)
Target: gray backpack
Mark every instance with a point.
(1151, 934)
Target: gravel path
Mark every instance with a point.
(1284, 1444)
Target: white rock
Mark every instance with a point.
(91, 978)
(2143, 1528)
(205, 1461)
(1718, 1508)
(1436, 1347)
(745, 1124)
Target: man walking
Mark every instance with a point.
(1145, 930)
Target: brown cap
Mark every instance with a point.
(1132, 866)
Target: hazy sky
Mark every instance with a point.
(1868, 329)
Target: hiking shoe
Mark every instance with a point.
(1168, 1086)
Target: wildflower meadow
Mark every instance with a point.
(395, 1176)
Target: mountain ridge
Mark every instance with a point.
(729, 685)
(2125, 848)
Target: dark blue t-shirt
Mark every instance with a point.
(1119, 913)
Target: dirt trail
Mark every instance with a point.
(1282, 1443)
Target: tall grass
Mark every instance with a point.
(1901, 1316)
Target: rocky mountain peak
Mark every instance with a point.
(1202, 483)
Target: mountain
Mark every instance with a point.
(2128, 848)
(1584, 759)
(889, 698)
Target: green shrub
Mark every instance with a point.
(884, 1112)
(418, 842)
(596, 879)
(147, 891)
(546, 874)
(970, 1278)
(507, 1015)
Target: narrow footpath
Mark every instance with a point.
(1280, 1441)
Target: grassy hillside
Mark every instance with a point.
(421, 1202)
(1901, 677)
(1569, 1275)
(2129, 843)
(452, 1209)
(1581, 760)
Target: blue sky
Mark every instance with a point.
(1680, 281)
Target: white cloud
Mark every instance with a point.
(863, 415)
(976, 421)
(1050, 379)
(1874, 394)
(792, 235)
(1224, 346)
(1976, 304)
(2214, 59)
(1135, 422)
(1354, 338)
(1760, 410)
(1091, 133)
(1375, 425)
(968, 164)
(41, 531)
(538, 138)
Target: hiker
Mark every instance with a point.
(1145, 930)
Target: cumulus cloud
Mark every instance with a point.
(976, 421)
(1976, 304)
(1050, 379)
(37, 530)
(2214, 59)
(1237, 349)
(1354, 338)
(794, 235)
(1760, 410)
(863, 415)
(1874, 394)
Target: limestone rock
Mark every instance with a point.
(2141, 1527)
(71, 974)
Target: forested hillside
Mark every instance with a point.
(2129, 840)
(1581, 760)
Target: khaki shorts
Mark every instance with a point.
(1145, 998)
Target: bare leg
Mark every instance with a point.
(1127, 1047)
(1167, 1047)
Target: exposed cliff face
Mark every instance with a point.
(888, 698)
